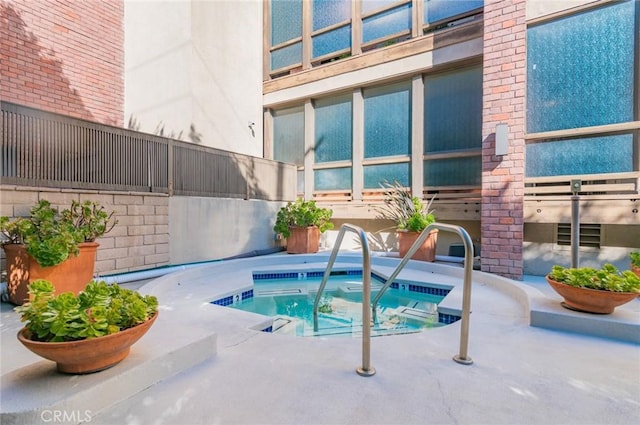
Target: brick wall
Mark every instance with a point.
(139, 241)
(504, 87)
(64, 56)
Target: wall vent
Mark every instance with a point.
(589, 235)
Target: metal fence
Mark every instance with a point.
(44, 149)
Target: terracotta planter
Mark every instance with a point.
(88, 355)
(590, 300)
(303, 240)
(426, 252)
(72, 274)
(636, 270)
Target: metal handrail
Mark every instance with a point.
(462, 357)
(365, 369)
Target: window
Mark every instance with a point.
(580, 69)
(333, 143)
(453, 125)
(288, 139)
(325, 29)
(387, 133)
(331, 27)
(438, 10)
(286, 33)
(581, 73)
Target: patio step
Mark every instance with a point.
(35, 392)
(623, 324)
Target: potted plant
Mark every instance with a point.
(56, 246)
(594, 291)
(635, 262)
(301, 223)
(411, 217)
(88, 332)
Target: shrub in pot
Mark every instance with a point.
(410, 217)
(52, 245)
(87, 332)
(301, 223)
(594, 291)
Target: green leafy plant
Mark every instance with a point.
(99, 310)
(635, 258)
(90, 219)
(406, 211)
(51, 237)
(608, 278)
(302, 213)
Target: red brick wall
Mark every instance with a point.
(64, 56)
(504, 89)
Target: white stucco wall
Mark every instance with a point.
(196, 62)
(202, 229)
(540, 8)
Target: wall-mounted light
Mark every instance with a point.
(502, 139)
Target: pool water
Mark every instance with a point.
(290, 303)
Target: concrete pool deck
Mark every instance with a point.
(202, 364)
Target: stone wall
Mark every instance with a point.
(139, 241)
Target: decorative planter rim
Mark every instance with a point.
(90, 360)
(590, 300)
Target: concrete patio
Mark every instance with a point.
(202, 364)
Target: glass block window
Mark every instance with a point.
(580, 69)
(438, 10)
(332, 41)
(386, 23)
(593, 155)
(286, 25)
(370, 5)
(333, 129)
(286, 20)
(453, 171)
(288, 136)
(453, 111)
(325, 14)
(330, 12)
(387, 121)
(374, 175)
(286, 56)
(332, 179)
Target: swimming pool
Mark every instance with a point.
(288, 297)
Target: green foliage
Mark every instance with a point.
(90, 219)
(51, 237)
(635, 258)
(99, 310)
(302, 213)
(608, 278)
(406, 211)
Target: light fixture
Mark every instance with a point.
(502, 139)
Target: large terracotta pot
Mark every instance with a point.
(636, 270)
(88, 355)
(426, 252)
(590, 300)
(73, 274)
(303, 240)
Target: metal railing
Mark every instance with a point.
(44, 149)
(365, 369)
(462, 356)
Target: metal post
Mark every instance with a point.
(575, 222)
(365, 369)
